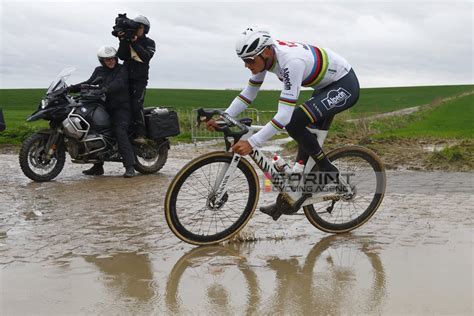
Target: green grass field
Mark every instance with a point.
(18, 104)
(453, 119)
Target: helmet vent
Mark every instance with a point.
(253, 45)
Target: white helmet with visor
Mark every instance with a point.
(253, 41)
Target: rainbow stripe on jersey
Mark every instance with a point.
(319, 68)
(244, 99)
(288, 102)
(254, 83)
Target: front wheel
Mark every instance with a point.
(363, 171)
(34, 161)
(190, 207)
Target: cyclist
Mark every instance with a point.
(296, 65)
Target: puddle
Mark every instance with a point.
(101, 245)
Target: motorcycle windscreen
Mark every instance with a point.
(60, 80)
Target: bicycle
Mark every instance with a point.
(222, 188)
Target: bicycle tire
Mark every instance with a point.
(316, 218)
(176, 214)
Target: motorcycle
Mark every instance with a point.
(80, 126)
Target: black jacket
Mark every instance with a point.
(145, 48)
(114, 82)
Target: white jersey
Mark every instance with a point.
(296, 65)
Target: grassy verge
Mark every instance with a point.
(17, 104)
(438, 137)
(400, 140)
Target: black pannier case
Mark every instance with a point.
(161, 123)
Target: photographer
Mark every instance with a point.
(136, 52)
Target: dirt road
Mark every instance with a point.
(101, 245)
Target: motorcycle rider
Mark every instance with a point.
(113, 80)
(296, 65)
(136, 54)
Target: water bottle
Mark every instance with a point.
(280, 164)
(298, 167)
(296, 174)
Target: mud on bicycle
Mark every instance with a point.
(214, 195)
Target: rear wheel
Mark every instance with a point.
(190, 207)
(365, 174)
(33, 161)
(150, 159)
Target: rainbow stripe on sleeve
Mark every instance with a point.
(288, 102)
(319, 68)
(277, 125)
(244, 99)
(254, 83)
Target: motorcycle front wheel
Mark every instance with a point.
(33, 161)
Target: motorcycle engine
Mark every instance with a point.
(75, 126)
(94, 143)
(72, 147)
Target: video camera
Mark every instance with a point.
(127, 26)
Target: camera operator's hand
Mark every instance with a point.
(134, 38)
(121, 36)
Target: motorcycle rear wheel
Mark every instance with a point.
(153, 163)
(33, 162)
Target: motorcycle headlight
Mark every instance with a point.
(44, 104)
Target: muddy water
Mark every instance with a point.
(100, 245)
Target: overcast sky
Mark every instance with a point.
(388, 43)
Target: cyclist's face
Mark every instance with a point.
(255, 64)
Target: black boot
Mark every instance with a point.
(280, 207)
(129, 172)
(96, 170)
(271, 210)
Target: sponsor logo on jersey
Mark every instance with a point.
(286, 78)
(336, 98)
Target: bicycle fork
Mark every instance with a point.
(222, 181)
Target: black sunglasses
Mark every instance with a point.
(250, 60)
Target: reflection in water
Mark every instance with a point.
(213, 271)
(127, 274)
(339, 275)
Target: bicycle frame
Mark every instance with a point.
(276, 177)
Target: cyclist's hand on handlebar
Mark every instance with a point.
(242, 147)
(211, 125)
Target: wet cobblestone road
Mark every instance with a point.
(101, 245)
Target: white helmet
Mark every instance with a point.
(143, 20)
(253, 40)
(106, 52)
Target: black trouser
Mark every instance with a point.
(319, 111)
(121, 123)
(137, 97)
(2, 121)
